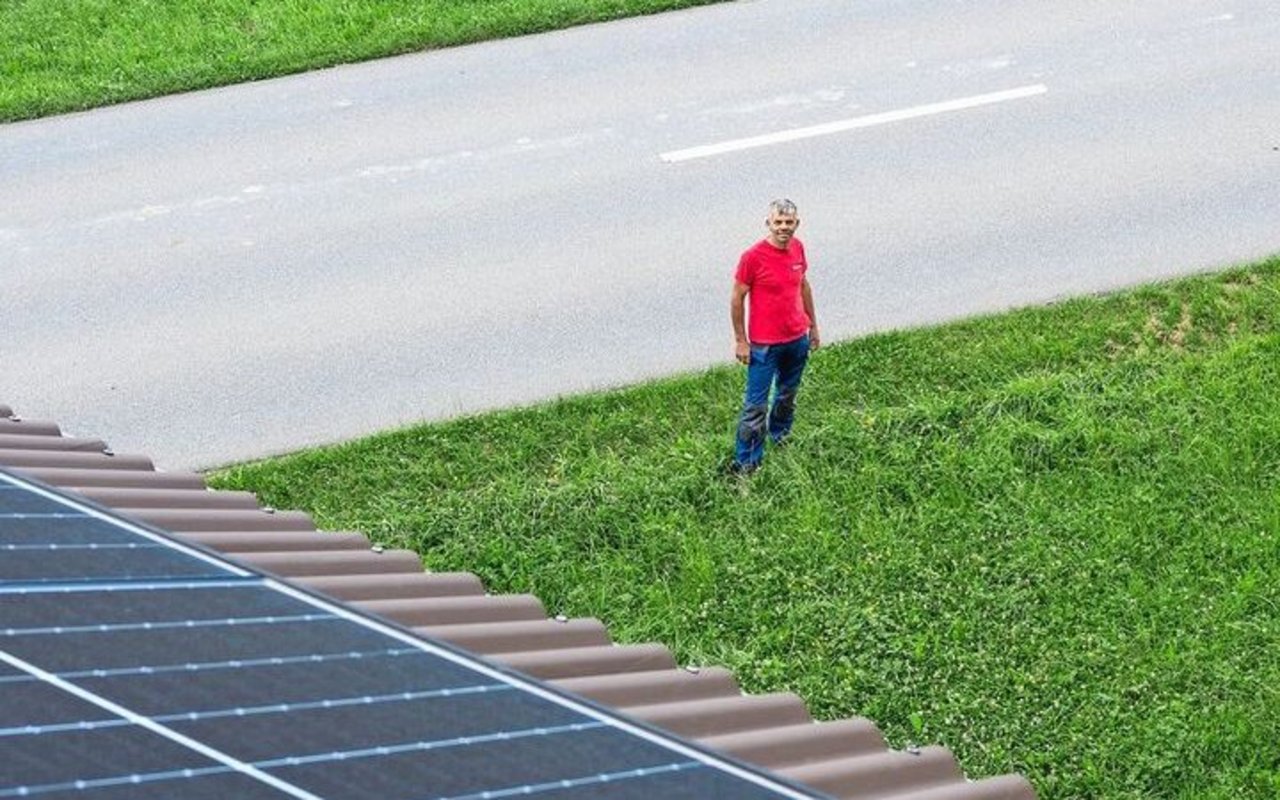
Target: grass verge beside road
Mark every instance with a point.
(67, 55)
(1049, 539)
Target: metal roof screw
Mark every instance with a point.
(268, 510)
(561, 618)
(692, 669)
(107, 451)
(377, 548)
(913, 749)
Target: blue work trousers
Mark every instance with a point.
(776, 368)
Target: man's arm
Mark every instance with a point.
(738, 316)
(806, 296)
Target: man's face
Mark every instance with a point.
(781, 228)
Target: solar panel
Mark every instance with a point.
(135, 666)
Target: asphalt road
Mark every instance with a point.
(227, 274)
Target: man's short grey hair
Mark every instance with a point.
(782, 207)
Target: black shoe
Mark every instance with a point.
(741, 470)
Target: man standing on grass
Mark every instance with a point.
(774, 335)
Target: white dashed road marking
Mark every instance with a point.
(734, 145)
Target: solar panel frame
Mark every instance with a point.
(216, 572)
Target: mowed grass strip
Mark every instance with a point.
(67, 55)
(1049, 540)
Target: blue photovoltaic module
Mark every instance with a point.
(134, 666)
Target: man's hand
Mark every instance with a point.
(738, 316)
(815, 338)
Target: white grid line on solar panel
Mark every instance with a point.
(241, 663)
(250, 711)
(230, 622)
(60, 586)
(524, 790)
(573, 783)
(120, 780)
(13, 483)
(437, 744)
(155, 727)
(51, 546)
(40, 516)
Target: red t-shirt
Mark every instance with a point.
(775, 308)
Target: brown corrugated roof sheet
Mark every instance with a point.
(847, 759)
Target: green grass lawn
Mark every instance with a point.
(1049, 540)
(66, 55)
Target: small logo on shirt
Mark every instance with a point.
(797, 267)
